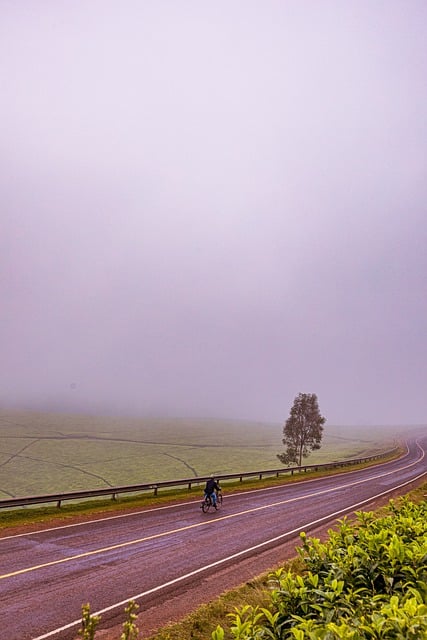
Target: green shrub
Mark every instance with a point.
(367, 582)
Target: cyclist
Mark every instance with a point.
(211, 489)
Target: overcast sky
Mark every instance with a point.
(209, 207)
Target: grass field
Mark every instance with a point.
(45, 453)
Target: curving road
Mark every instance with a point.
(45, 576)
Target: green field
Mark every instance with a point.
(48, 453)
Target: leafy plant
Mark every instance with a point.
(130, 630)
(89, 623)
(366, 582)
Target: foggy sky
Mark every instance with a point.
(209, 207)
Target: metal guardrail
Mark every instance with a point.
(114, 492)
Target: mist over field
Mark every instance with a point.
(207, 208)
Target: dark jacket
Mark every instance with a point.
(212, 486)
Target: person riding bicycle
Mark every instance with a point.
(211, 489)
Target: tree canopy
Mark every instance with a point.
(303, 429)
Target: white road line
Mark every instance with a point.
(227, 559)
(102, 519)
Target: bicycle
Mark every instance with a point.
(207, 503)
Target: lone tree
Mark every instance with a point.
(303, 429)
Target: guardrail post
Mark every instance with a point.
(155, 489)
(114, 497)
(189, 486)
(58, 504)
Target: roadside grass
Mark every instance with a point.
(69, 510)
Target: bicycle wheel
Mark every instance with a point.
(206, 505)
(219, 498)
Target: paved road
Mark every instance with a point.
(46, 576)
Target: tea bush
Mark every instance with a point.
(368, 581)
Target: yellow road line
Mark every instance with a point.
(154, 536)
(102, 550)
